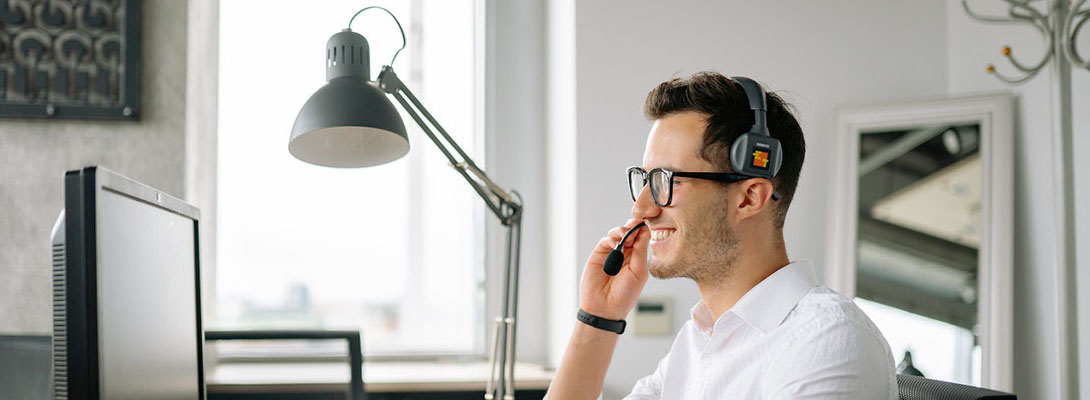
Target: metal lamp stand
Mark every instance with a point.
(507, 206)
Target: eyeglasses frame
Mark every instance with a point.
(727, 177)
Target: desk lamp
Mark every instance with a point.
(350, 123)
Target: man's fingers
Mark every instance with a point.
(632, 238)
(638, 261)
(616, 234)
(606, 244)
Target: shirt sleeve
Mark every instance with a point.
(841, 360)
(650, 387)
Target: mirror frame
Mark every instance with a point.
(994, 114)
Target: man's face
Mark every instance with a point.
(692, 237)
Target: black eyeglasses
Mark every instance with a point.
(662, 182)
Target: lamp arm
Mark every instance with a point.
(498, 200)
(508, 208)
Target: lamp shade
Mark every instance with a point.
(348, 123)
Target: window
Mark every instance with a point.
(396, 250)
(940, 350)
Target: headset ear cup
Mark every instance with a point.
(755, 154)
(738, 152)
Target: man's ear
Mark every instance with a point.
(756, 195)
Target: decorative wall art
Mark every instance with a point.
(73, 59)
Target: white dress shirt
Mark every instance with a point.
(787, 338)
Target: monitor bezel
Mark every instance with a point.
(81, 188)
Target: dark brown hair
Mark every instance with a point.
(724, 103)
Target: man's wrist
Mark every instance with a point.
(612, 325)
(586, 335)
(602, 312)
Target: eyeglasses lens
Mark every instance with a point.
(635, 182)
(660, 186)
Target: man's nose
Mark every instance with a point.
(645, 206)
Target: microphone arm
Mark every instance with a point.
(507, 206)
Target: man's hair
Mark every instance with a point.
(728, 116)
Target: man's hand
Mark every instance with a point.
(583, 370)
(612, 297)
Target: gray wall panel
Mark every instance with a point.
(35, 153)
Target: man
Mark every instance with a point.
(764, 328)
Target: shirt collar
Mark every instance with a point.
(766, 305)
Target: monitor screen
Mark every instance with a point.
(147, 347)
(133, 317)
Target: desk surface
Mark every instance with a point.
(378, 377)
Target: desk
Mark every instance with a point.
(382, 380)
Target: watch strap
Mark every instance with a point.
(615, 326)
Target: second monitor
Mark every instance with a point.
(126, 290)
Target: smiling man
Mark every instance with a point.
(764, 328)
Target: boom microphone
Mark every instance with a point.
(616, 256)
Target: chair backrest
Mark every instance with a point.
(26, 367)
(355, 348)
(919, 388)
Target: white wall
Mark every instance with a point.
(972, 45)
(820, 55)
(514, 121)
(560, 171)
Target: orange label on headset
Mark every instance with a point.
(760, 159)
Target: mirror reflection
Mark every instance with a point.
(918, 238)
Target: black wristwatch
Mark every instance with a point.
(615, 326)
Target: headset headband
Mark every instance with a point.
(756, 97)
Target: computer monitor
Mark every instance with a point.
(126, 292)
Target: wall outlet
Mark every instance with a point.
(652, 316)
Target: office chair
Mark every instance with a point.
(920, 388)
(355, 348)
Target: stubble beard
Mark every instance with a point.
(705, 252)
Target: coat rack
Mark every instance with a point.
(1060, 25)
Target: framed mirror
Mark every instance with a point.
(922, 232)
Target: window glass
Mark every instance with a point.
(939, 350)
(391, 250)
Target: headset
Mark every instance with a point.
(756, 153)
